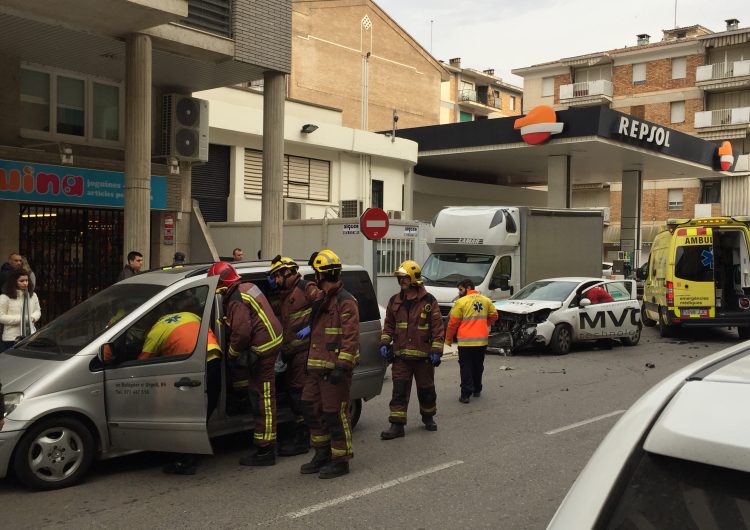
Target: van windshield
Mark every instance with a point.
(76, 328)
(448, 269)
(694, 263)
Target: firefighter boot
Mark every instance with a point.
(396, 430)
(334, 469)
(429, 423)
(299, 445)
(264, 456)
(321, 458)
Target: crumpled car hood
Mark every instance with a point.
(525, 307)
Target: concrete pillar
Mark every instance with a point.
(138, 146)
(409, 193)
(272, 206)
(559, 187)
(630, 231)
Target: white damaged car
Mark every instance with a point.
(558, 312)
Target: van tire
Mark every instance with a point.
(562, 340)
(665, 330)
(632, 341)
(355, 410)
(56, 435)
(743, 332)
(644, 318)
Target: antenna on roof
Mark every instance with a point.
(675, 13)
(431, 21)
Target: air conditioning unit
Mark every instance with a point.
(350, 208)
(293, 210)
(184, 128)
(395, 214)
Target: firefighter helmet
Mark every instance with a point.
(412, 270)
(279, 263)
(325, 261)
(226, 273)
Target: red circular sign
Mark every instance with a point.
(374, 223)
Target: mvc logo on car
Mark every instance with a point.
(538, 125)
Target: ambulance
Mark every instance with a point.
(698, 274)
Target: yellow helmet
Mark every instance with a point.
(281, 262)
(411, 269)
(325, 261)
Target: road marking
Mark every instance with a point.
(585, 422)
(361, 493)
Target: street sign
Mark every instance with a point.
(374, 224)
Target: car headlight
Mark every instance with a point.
(11, 401)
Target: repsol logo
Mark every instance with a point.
(643, 131)
(699, 240)
(600, 318)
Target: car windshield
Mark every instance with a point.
(448, 269)
(546, 290)
(76, 328)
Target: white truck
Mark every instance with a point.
(503, 248)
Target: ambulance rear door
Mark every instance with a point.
(692, 284)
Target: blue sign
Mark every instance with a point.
(26, 181)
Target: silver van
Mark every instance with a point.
(67, 403)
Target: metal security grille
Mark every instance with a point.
(74, 253)
(393, 252)
(214, 16)
(210, 183)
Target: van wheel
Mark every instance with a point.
(355, 411)
(562, 340)
(635, 339)
(55, 453)
(743, 332)
(665, 330)
(644, 318)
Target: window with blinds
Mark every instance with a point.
(304, 178)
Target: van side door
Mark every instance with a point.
(155, 380)
(501, 281)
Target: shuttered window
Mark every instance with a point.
(304, 178)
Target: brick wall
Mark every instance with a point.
(661, 113)
(658, 77)
(563, 79)
(654, 205)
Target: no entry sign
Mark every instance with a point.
(374, 224)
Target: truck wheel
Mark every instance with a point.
(562, 340)
(54, 453)
(644, 318)
(635, 339)
(355, 410)
(743, 332)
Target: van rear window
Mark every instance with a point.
(694, 263)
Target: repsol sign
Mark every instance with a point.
(604, 319)
(644, 132)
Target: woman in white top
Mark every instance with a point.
(19, 309)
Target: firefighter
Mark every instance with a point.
(334, 351)
(469, 321)
(295, 298)
(255, 338)
(413, 332)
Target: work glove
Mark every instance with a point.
(337, 376)
(303, 333)
(384, 351)
(435, 359)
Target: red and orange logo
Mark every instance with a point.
(726, 158)
(538, 125)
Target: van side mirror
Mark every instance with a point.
(502, 282)
(585, 302)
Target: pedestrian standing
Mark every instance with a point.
(413, 332)
(238, 254)
(334, 351)
(15, 261)
(469, 322)
(19, 309)
(178, 260)
(133, 267)
(255, 337)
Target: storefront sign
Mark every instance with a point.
(411, 231)
(168, 229)
(29, 182)
(641, 130)
(350, 229)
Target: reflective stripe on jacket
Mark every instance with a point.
(470, 319)
(415, 326)
(251, 320)
(334, 336)
(295, 309)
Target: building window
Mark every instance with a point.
(638, 111)
(548, 86)
(465, 116)
(679, 68)
(677, 111)
(710, 191)
(59, 106)
(674, 199)
(304, 178)
(639, 73)
(513, 103)
(377, 194)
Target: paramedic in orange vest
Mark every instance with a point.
(469, 322)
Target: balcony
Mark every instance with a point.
(479, 100)
(723, 76)
(586, 93)
(723, 123)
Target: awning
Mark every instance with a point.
(648, 233)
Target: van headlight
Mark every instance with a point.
(11, 401)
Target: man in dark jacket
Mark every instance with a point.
(15, 261)
(133, 267)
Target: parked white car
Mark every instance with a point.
(678, 458)
(557, 313)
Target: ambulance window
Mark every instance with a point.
(694, 263)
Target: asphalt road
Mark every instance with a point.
(505, 460)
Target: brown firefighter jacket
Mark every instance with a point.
(295, 307)
(414, 326)
(252, 323)
(334, 339)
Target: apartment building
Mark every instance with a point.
(693, 80)
(472, 94)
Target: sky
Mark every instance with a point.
(505, 34)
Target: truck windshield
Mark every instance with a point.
(74, 329)
(449, 269)
(546, 291)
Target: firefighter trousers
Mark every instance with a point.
(294, 381)
(262, 388)
(326, 409)
(402, 372)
